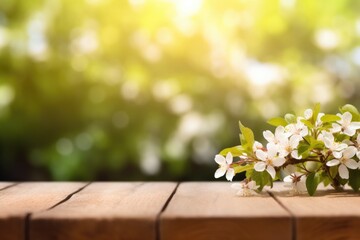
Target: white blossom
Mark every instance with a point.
(289, 146)
(345, 162)
(224, 166)
(277, 137)
(298, 128)
(296, 182)
(268, 160)
(308, 113)
(245, 188)
(335, 147)
(257, 146)
(318, 122)
(344, 125)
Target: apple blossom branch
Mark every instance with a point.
(303, 151)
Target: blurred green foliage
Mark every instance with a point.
(137, 90)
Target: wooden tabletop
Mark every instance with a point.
(168, 210)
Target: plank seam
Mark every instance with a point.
(9, 186)
(68, 197)
(27, 226)
(157, 221)
(293, 218)
(29, 215)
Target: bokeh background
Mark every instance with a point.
(153, 89)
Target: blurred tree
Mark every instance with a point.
(111, 90)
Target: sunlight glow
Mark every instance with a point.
(187, 7)
(37, 42)
(327, 39)
(261, 74)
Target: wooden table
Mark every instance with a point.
(167, 210)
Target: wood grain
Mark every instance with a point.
(25, 198)
(213, 211)
(328, 215)
(105, 211)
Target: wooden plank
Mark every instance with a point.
(213, 211)
(25, 198)
(327, 215)
(105, 211)
(5, 185)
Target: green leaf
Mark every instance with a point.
(349, 108)
(316, 111)
(316, 144)
(311, 183)
(290, 118)
(262, 179)
(307, 123)
(249, 173)
(242, 139)
(330, 118)
(342, 181)
(278, 121)
(333, 171)
(235, 151)
(354, 179)
(340, 137)
(308, 139)
(240, 168)
(352, 109)
(326, 180)
(303, 147)
(247, 137)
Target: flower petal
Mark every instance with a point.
(304, 132)
(259, 166)
(260, 154)
(318, 119)
(355, 125)
(295, 154)
(280, 130)
(269, 136)
(349, 152)
(230, 174)
(308, 113)
(229, 158)
(288, 179)
(328, 142)
(341, 146)
(277, 162)
(343, 172)
(358, 154)
(219, 159)
(272, 150)
(351, 163)
(271, 171)
(257, 145)
(336, 128)
(294, 141)
(333, 162)
(220, 172)
(346, 117)
(349, 131)
(337, 154)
